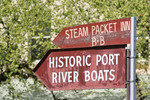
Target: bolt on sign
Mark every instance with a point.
(113, 32)
(83, 68)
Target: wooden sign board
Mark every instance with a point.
(83, 68)
(112, 32)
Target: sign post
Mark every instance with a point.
(100, 64)
(133, 60)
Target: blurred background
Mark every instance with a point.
(28, 27)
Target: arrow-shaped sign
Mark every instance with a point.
(83, 68)
(113, 32)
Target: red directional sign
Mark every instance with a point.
(113, 32)
(83, 68)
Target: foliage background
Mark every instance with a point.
(21, 21)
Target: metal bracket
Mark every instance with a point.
(128, 82)
(131, 57)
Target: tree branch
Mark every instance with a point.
(7, 28)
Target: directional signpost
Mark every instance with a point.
(114, 32)
(83, 68)
(95, 57)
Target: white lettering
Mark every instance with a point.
(66, 57)
(85, 31)
(105, 28)
(106, 74)
(98, 59)
(64, 77)
(54, 77)
(51, 61)
(62, 64)
(102, 41)
(94, 42)
(93, 29)
(113, 76)
(69, 77)
(87, 76)
(115, 27)
(110, 27)
(116, 58)
(68, 36)
(94, 73)
(125, 26)
(75, 79)
(88, 64)
(75, 33)
(106, 59)
(100, 76)
(111, 59)
(72, 62)
(78, 60)
(80, 33)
